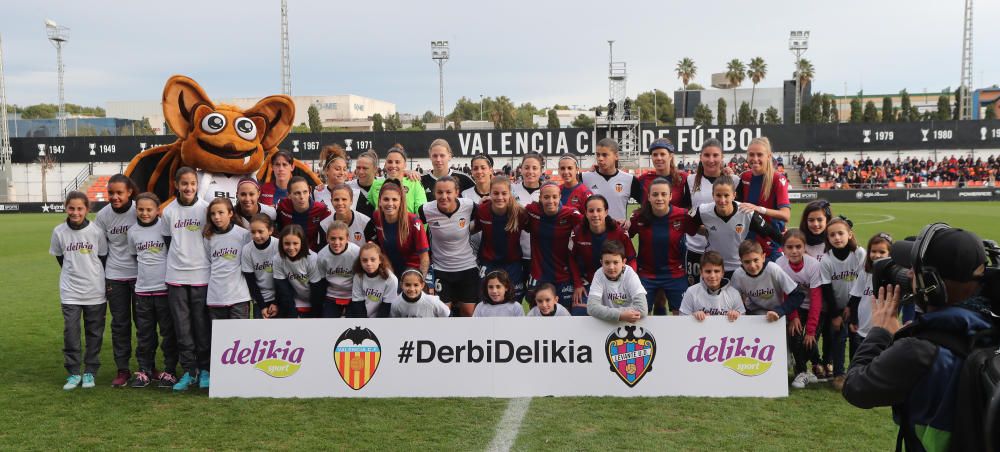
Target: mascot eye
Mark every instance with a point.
(213, 123)
(246, 129)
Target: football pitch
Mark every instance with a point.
(38, 414)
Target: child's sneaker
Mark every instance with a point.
(167, 379)
(121, 379)
(140, 379)
(72, 382)
(186, 380)
(88, 380)
(811, 379)
(800, 381)
(203, 379)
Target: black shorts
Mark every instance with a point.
(692, 266)
(457, 287)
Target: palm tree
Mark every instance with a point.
(735, 73)
(805, 73)
(686, 70)
(756, 70)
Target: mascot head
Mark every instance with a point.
(224, 138)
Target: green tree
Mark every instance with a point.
(664, 109)
(429, 117)
(824, 104)
(943, 108)
(502, 113)
(720, 112)
(871, 112)
(417, 124)
(377, 125)
(560, 107)
(756, 71)
(956, 115)
(856, 110)
(991, 111)
(703, 115)
(745, 117)
(834, 110)
(393, 122)
(806, 73)
(812, 113)
(686, 70)
(301, 128)
(553, 122)
(887, 109)
(315, 124)
(583, 122)
(694, 87)
(904, 106)
(771, 116)
(736, 72)
(524, 116)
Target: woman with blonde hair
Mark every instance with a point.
(765, 191)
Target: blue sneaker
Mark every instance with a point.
(203, 379)
(88, 381)
(185, 381)
(72, 382)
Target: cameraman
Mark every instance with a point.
(901, 367)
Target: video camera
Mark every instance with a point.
(907, 265)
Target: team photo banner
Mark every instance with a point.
(498, 357)
(983, 134)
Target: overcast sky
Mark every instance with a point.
(543, 52)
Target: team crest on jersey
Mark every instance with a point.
(357, 236)
(739, 228)
(676, 224)
(630, 351)
(619, 188)
(356, 354)
(461, 223)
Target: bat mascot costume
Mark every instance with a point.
(222, 142)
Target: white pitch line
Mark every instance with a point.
(509, 425)
(885, 219)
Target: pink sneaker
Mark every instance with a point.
(121, 380)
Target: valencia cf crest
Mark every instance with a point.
(356, 354)
(619, 188)
(630, 350)
(461, 223)
(739, 228)
(357, 236)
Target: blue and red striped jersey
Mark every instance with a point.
(386, 235)
(550, 237)
(676, 189)
(309, 220)
(575, 196)
(751, 191)
(587, 251)
(497, 245)
(660, 253)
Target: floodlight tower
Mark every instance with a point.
(286, 66)
(59, 35)
(965, 109)
(440, 53)
(798, 43)
(6, 183)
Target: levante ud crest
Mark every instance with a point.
(356, 354)
(630, 351)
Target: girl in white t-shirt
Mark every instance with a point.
(81, 248)
(860, 302)
(335, 263)
(374, 285)
(713, 295)
(499, 302)
(815, 217)
(295, 274)
(547, 303)
(187, 277)
(257, 265)
(843, 264)
(616, 293)
(413, 302)
(803, 323)
(228, 293)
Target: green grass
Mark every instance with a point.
(37, 413)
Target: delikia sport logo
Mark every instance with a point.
(272, 357)
(747, 357)
(357, 354)
(630, 351)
